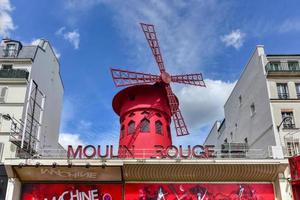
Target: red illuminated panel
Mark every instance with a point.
(72, 191)
(140, 191)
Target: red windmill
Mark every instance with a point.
(149, 101)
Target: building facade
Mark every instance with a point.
(31, 93)
(262, 113)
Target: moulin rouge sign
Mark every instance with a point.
(159, 152)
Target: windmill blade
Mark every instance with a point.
(127, 78)
(150, 35)
(190, 79)
(178, 120)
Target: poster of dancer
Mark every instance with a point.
(156, 191)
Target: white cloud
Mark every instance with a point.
(6, 21)
(66, 139)
(37, 41)
(235, 38)
(290, 25)
(71, 36)
(202, 106)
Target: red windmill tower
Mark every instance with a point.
(146, 108)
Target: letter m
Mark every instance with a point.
(73, 154)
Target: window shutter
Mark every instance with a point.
(3, 94)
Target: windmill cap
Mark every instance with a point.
(141, 96)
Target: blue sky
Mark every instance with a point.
(90, 36)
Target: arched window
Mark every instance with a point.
(158, 127)
(145, 113)
(122, 130)
(158, 115)
(145, 125)
(131, 127)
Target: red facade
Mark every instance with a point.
(142, 191)
(295, 175)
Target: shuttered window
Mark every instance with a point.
(3, 93)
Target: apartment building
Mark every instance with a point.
(263, 110)
(31, 93)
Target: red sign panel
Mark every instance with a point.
(140, 191)
(295, 167)
(72, 191)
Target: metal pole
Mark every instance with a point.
(40, 120)
(26, 111)
(32, 118)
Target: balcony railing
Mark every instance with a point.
(289, 126)
(14, 73)
(283, 67)
(283, 95)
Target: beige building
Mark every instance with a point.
(262, 114)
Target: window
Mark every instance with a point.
(3, 94)
(288, 119)
(293, 65)
(6, 66)
(158, 127)
(240, 100)
(122, 131)
(252, 109)
(11, 49)
(297, 85)
(131, 127)
(145, 113)
(145, 125)
(282, 90)
(231, 136)
(292, 148)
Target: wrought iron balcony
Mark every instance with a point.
(289, 126)
(283, 66)
(14, 73)
(284, 95)
(291, 68)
